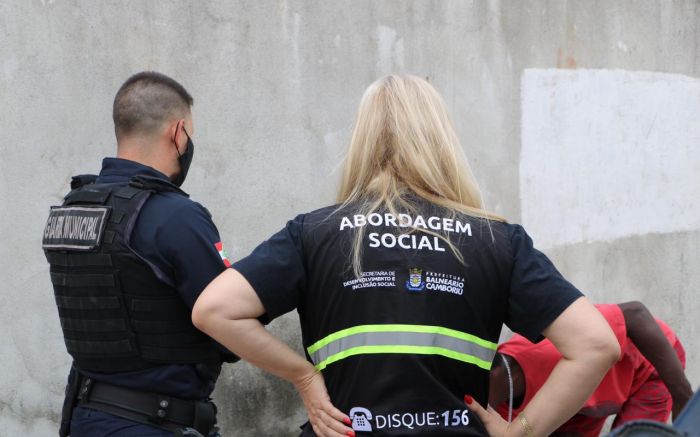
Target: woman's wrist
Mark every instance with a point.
(519, 427)
(525, 425)
(509, 432)
(304, 376)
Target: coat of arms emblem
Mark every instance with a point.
(415, 279)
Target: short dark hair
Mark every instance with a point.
(145, 101)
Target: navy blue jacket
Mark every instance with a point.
(179, 240)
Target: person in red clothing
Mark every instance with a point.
(648, 382)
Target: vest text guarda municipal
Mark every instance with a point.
(72, 227)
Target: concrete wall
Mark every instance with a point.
(579, 118)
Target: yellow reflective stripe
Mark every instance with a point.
(401, 349)
(401, 328)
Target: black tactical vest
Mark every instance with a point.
(115, 314)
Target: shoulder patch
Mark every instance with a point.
(222, 253)
(75, 227)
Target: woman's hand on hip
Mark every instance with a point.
(326, 420)
(494, 423)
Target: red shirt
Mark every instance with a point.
(622, 380)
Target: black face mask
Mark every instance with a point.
(185, 160)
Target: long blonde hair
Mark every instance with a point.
(404, 144)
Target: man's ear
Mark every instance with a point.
(174, 130)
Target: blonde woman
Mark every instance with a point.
(402, 289)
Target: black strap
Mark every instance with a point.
(87, 303)
(82, 279)
(102, 325)
(82, 179)
(127, 192)
(109, 237)
(79, 259)
(161, 326)
(87, 195)
(194, 354)
(117, 217)
(157, 305)
(99, 348)
(69, 401)
(161, 411)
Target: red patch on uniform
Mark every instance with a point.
(222, 253)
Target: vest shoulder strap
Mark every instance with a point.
(86, 195)
(82, 179)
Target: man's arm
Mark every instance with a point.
(646, 334)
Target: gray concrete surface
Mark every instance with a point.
(276, 84)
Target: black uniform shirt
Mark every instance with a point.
(177, 237)
(400, 346)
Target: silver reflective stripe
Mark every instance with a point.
(384, 339)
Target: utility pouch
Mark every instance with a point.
(204, 417)
(69, 402)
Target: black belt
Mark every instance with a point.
(153, 409)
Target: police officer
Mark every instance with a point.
(403, 288)
(129, 254)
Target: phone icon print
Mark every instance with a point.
(360, 419)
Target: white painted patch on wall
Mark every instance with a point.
(607, 154)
